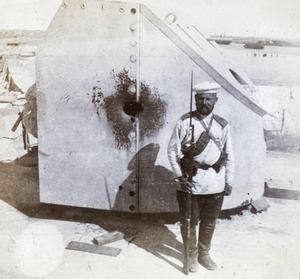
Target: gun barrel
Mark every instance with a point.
(187, 225)
(188, 213)
(191, 98)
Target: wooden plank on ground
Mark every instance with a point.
(108, 237)
(279, 193)
(92, 248)
(260, 205)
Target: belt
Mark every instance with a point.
(207, 167)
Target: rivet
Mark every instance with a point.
(122, 9)
(132, 74)
(132, 150)
(132, 135)
(132, 58)
(132, 207)
(133, 180)
(131, 193)
(83, 6)
(170, 18)
(133, 43)
(102, 7)
(132, 27)
(132, 88)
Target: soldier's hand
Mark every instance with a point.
(185, 185)
(227, 190)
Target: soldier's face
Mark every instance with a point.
(205, 102)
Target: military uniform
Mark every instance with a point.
(208, 183)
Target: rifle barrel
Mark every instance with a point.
(188, 213)
(191, 98)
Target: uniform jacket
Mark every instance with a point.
(205, 181)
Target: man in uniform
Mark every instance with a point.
(212, 165)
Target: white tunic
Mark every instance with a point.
(205, 181)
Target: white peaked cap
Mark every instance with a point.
(206, 87)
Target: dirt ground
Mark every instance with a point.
(245, 245)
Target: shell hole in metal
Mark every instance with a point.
(132, 208)
(133, 11)
(120, 187)
(132, 108)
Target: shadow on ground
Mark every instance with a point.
(19, 187)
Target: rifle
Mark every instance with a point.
(188, 212)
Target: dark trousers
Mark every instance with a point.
(206, 209)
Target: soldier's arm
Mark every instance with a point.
(230, 158)
(174, 149)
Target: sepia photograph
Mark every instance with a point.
(149, 139)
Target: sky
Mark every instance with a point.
(253, 18)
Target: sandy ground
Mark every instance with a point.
(246, 245)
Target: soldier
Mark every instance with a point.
(212, 165)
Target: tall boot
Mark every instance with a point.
(193, 249)
(206, 230)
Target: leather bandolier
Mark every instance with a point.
(197, 149)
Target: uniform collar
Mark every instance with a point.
(205, 118)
